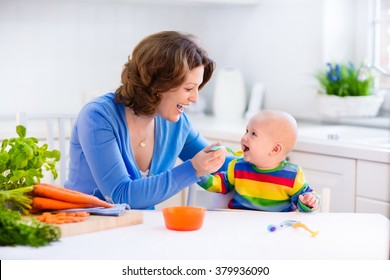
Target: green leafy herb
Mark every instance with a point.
(22, 164)
(18, 230)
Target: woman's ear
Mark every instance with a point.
(277, 149)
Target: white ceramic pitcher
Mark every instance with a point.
(229, 100)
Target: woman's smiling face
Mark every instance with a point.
(174, 102)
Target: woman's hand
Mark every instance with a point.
(310, 200)
(208, 161)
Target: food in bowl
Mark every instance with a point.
(183, 218)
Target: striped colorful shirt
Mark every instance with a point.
(275, 190)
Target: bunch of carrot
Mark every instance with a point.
(62, 217)
(49, 197)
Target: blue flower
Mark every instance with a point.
(334, 73)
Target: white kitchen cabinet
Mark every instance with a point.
(337, 174)
(365, 205)
(373, 187)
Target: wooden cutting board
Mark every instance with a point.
(98, 223)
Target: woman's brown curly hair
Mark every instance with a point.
(159, 63)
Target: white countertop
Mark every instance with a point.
(356, 144)
(239, 235)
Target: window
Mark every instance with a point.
(379, 49)
(380, 39)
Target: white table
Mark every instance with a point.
(240, 235)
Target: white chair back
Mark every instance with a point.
(54, 130)
(209, 200)
(325, 200)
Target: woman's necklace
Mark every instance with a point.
(130, 118)
(142, 143)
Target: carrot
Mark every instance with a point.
(81, 214)
(62, 194)
(44, 203)
(62, 217)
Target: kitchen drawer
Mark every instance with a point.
(373, 180)
(334, 173)
(364, 205)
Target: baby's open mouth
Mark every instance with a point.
(245, 148)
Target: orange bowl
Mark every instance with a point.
(183, 218)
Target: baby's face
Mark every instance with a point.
(269, 136)
(257, 143)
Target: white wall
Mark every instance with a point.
(56, 54)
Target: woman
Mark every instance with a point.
(124, 145)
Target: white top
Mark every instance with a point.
(227, 235)
(144, 173)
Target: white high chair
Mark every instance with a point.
(209, 200)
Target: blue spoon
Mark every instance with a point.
(238, 153)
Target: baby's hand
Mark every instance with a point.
(310, 200)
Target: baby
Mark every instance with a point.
(263, 179)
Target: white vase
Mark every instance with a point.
(229, 100)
